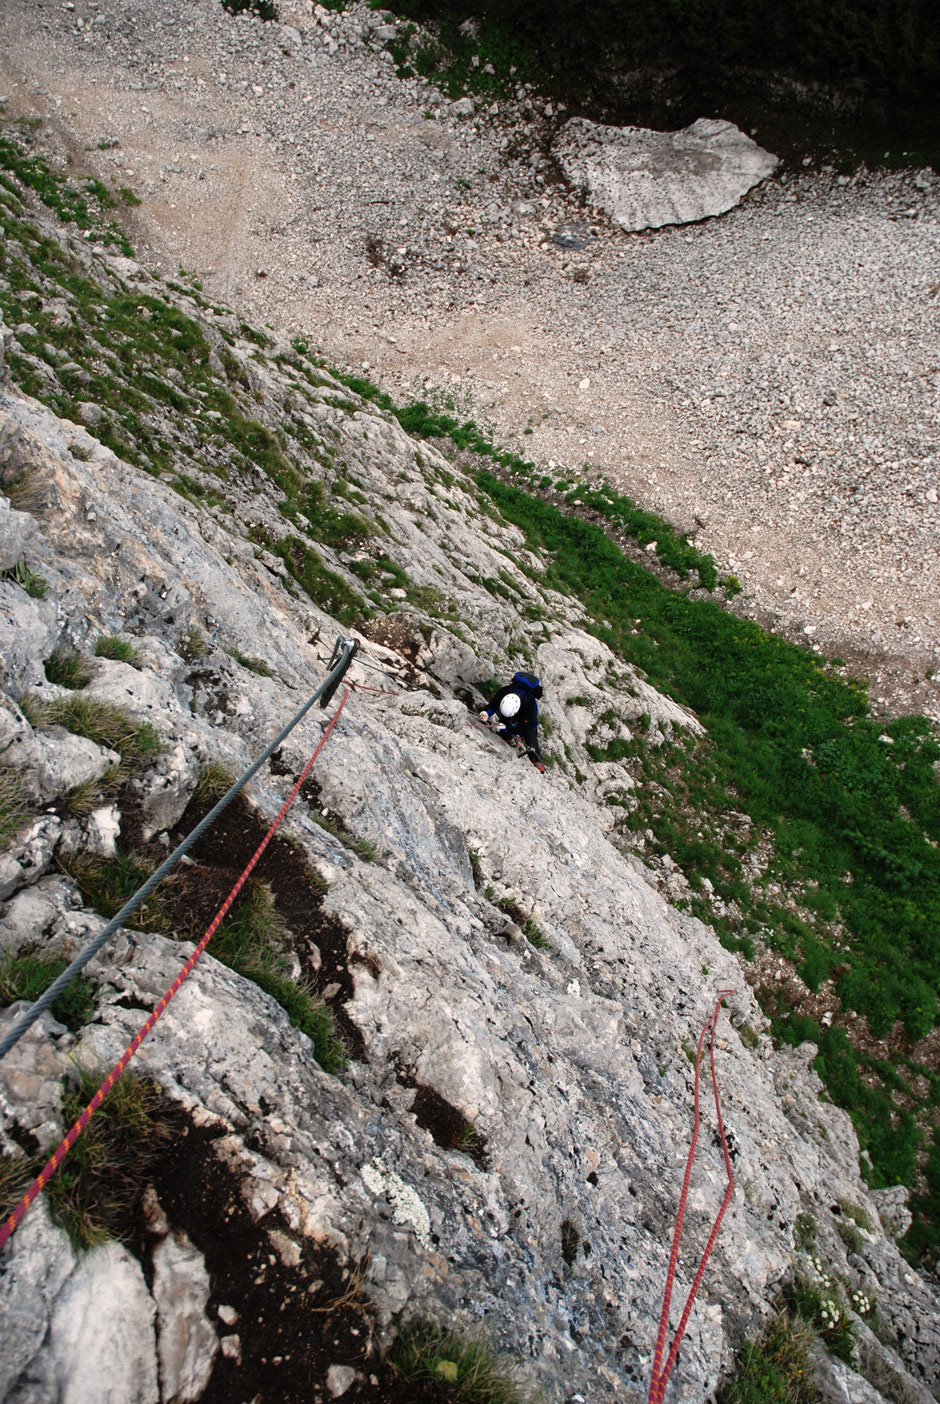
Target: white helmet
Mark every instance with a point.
(510, 704)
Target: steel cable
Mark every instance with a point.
(346, 649)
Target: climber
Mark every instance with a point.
(514, 711)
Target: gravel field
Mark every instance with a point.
(769, 379)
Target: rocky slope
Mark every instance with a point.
(505, 1145)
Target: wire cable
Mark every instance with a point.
(342, 657)
(64, 1146)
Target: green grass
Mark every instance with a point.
(83, 208)
(107, 883)
(363, 848)
(425, 1351)
(119, 650)
(191, 644)
(254, 665)
(775, 1369)
(95, 1191)
(252, 941)
(34, 585)
(27, 975)
(137, 743)
(66, 668)
(324, 586)
(14, 808)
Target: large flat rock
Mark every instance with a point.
(645, 179)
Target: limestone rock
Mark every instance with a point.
(187, 1343)
(30, 855)
(101, 1347)
(645, 179)
(31, 1076)
(52, 762)
(17, 531)
(838, 1383)
(28, 630)
(892, 1209)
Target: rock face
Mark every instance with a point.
(507, 1142)
(645, 179)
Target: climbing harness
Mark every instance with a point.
(62, 1150)
(660, 1373)
(342, 657)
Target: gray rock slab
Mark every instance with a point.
(101, 1347)
(28, 632)
(17, 532)
(186, 1342)
(645, 179)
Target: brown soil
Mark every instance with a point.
(293, 1322)
(318, 939)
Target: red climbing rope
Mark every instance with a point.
(660, 1374)
(382, 691)
(62, 1150)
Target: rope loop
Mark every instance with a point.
(660, 1373)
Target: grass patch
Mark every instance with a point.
(119, 650)
(14, 810)
(107, 883)
(94, 1193)
(214, 781)
(775, 1369)
(34, 585)
(137, 743)
(254, 665)
(425, 1351)
(27, 975)
(66, 668)
(363, 848)
(252, 941)
(191, 645)
(324, 586)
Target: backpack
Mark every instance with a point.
(528, 686)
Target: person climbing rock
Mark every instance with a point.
(514, 711)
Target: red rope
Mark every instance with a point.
(382, 691)
(62, 1150)
(660, 1374)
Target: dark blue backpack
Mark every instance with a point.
(528, 686)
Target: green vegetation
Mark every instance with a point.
(121, 650)
(27, 975)
(887, 56)
(93, 1194)
(14, 810)
(66, 668)
(425, 1351)
(363, 848)
(775, 1369)
(214, 781)
(324, 586)
(137, 743)
(83, 208)
(34, 585)
(107, 883)
(254, 665)
(252, 941)
(817, 1299)
(191, 645)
